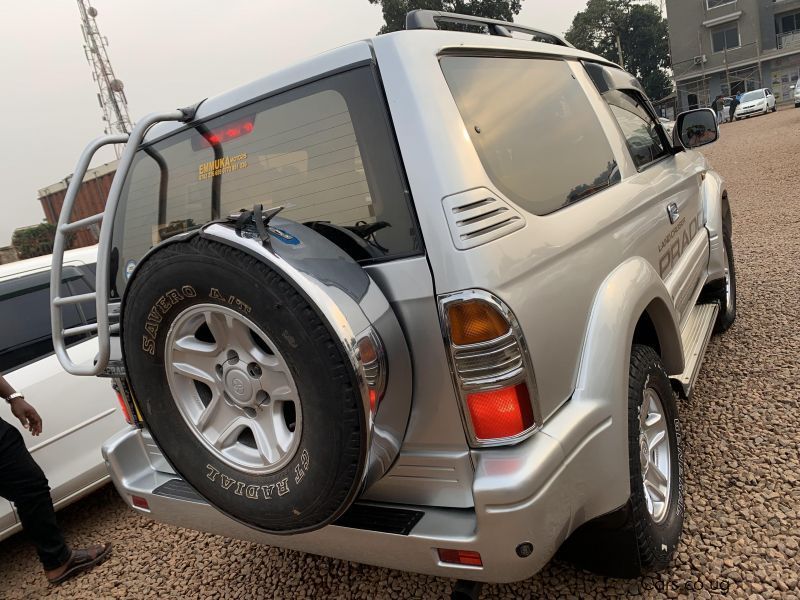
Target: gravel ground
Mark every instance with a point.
(741, 434)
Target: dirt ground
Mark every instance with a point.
(742, 454)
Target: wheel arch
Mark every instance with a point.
(632, 301)
(656, 328)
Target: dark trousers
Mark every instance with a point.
(23, 483)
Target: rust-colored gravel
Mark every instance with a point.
(742, 446)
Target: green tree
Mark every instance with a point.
(36, 240)
(394, 11)
(642, 33)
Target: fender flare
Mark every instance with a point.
(615, 313)
(716, 209)
(597, 413)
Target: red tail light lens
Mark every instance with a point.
(460, 557)
(124, 406)
(501, 413)
(140, 502)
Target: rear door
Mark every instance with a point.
(78, 413)
(7, 516)
(679, 249)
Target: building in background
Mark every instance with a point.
(723, 47)
(90, 201)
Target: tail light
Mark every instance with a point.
(373, 359)
(140, 502)
(468, 558)
(491, 368)
(126, 403)
(124, 406)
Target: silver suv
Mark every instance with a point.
(424, 301)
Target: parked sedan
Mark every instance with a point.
(78, 413)
(797, 96)
(756, 102)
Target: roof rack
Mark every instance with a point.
(429, 19)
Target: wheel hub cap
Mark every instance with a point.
(233, 388)
(239, 387)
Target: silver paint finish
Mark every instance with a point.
(577, 281)
(519, 497)
(434, 466)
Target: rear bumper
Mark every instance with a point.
(527, 493)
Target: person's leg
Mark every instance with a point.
(23, 483)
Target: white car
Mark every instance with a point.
(756, 102)
(796, 96)
(78, 413)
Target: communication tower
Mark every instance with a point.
(111, 94)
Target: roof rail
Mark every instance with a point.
(429, 19)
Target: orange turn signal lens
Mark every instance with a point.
(367, 350)
(474, 321)
(502, 413)
(460, 557)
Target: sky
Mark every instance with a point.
(169, 54)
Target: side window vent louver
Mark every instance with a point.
(477, 217)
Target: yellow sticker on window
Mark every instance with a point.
(226, 164)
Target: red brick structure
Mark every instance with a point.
(91, 200)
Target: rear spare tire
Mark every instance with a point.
(243, 386)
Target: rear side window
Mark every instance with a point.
(324, 151)
(25, 316)
(533, 128)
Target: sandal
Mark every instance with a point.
(82, 560)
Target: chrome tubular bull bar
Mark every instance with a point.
(65, 227)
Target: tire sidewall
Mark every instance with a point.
(657, 541)
(300, 496)
(728, 310)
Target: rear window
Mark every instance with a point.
(534, 129)
(323, 151)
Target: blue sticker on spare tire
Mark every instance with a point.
(284, 236)
(129, 267)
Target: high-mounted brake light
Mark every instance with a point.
(491, 368)
(223, 133)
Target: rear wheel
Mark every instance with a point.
(243, 387)
(641, 536)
